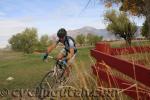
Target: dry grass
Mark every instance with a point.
(84, 79)
(138, 58)
(81, 76)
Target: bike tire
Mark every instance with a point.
(48, 81)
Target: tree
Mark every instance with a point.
(25, 41)
(92, 39)
(145, 29)
(44, 39)
(15, 42)
(44, 42)
(120, 25)
(135, 7)
(96, 39)
(80, 39)
(89, 39)
(29, 40)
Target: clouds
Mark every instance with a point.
(11, 26)
(47, 16)
(2, 14)
(8, 28)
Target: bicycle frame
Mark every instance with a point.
(57, 65)
(54, 79)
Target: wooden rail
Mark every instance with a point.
(139, 73)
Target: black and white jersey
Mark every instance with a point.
(69, 43)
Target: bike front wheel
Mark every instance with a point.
(49, 81)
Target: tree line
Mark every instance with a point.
(89, 39)
(28, 41)
(135, 8)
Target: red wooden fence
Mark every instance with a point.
(139, 73)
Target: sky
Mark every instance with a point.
(49, 15)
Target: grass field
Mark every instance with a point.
(28, 70)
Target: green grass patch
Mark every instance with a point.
(28, 69)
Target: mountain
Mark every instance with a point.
(86, 30)
(101, 32)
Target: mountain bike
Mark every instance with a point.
(55, 78)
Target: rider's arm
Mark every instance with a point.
(51, 47)
(71, 53)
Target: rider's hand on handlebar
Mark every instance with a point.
(45, 56)
(64, 62)
(64, 59)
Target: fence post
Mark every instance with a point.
(103, 47)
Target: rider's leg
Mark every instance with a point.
(67, 72)
(70, 64)
(61, 54)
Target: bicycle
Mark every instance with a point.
(54, 78)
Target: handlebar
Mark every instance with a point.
(58, 61)
(52, 57)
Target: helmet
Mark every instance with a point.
(61, 32)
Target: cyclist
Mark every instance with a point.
(68, 53)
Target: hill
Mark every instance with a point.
(101, 32)
(87, 29)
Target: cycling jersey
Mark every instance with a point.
(69, 43)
